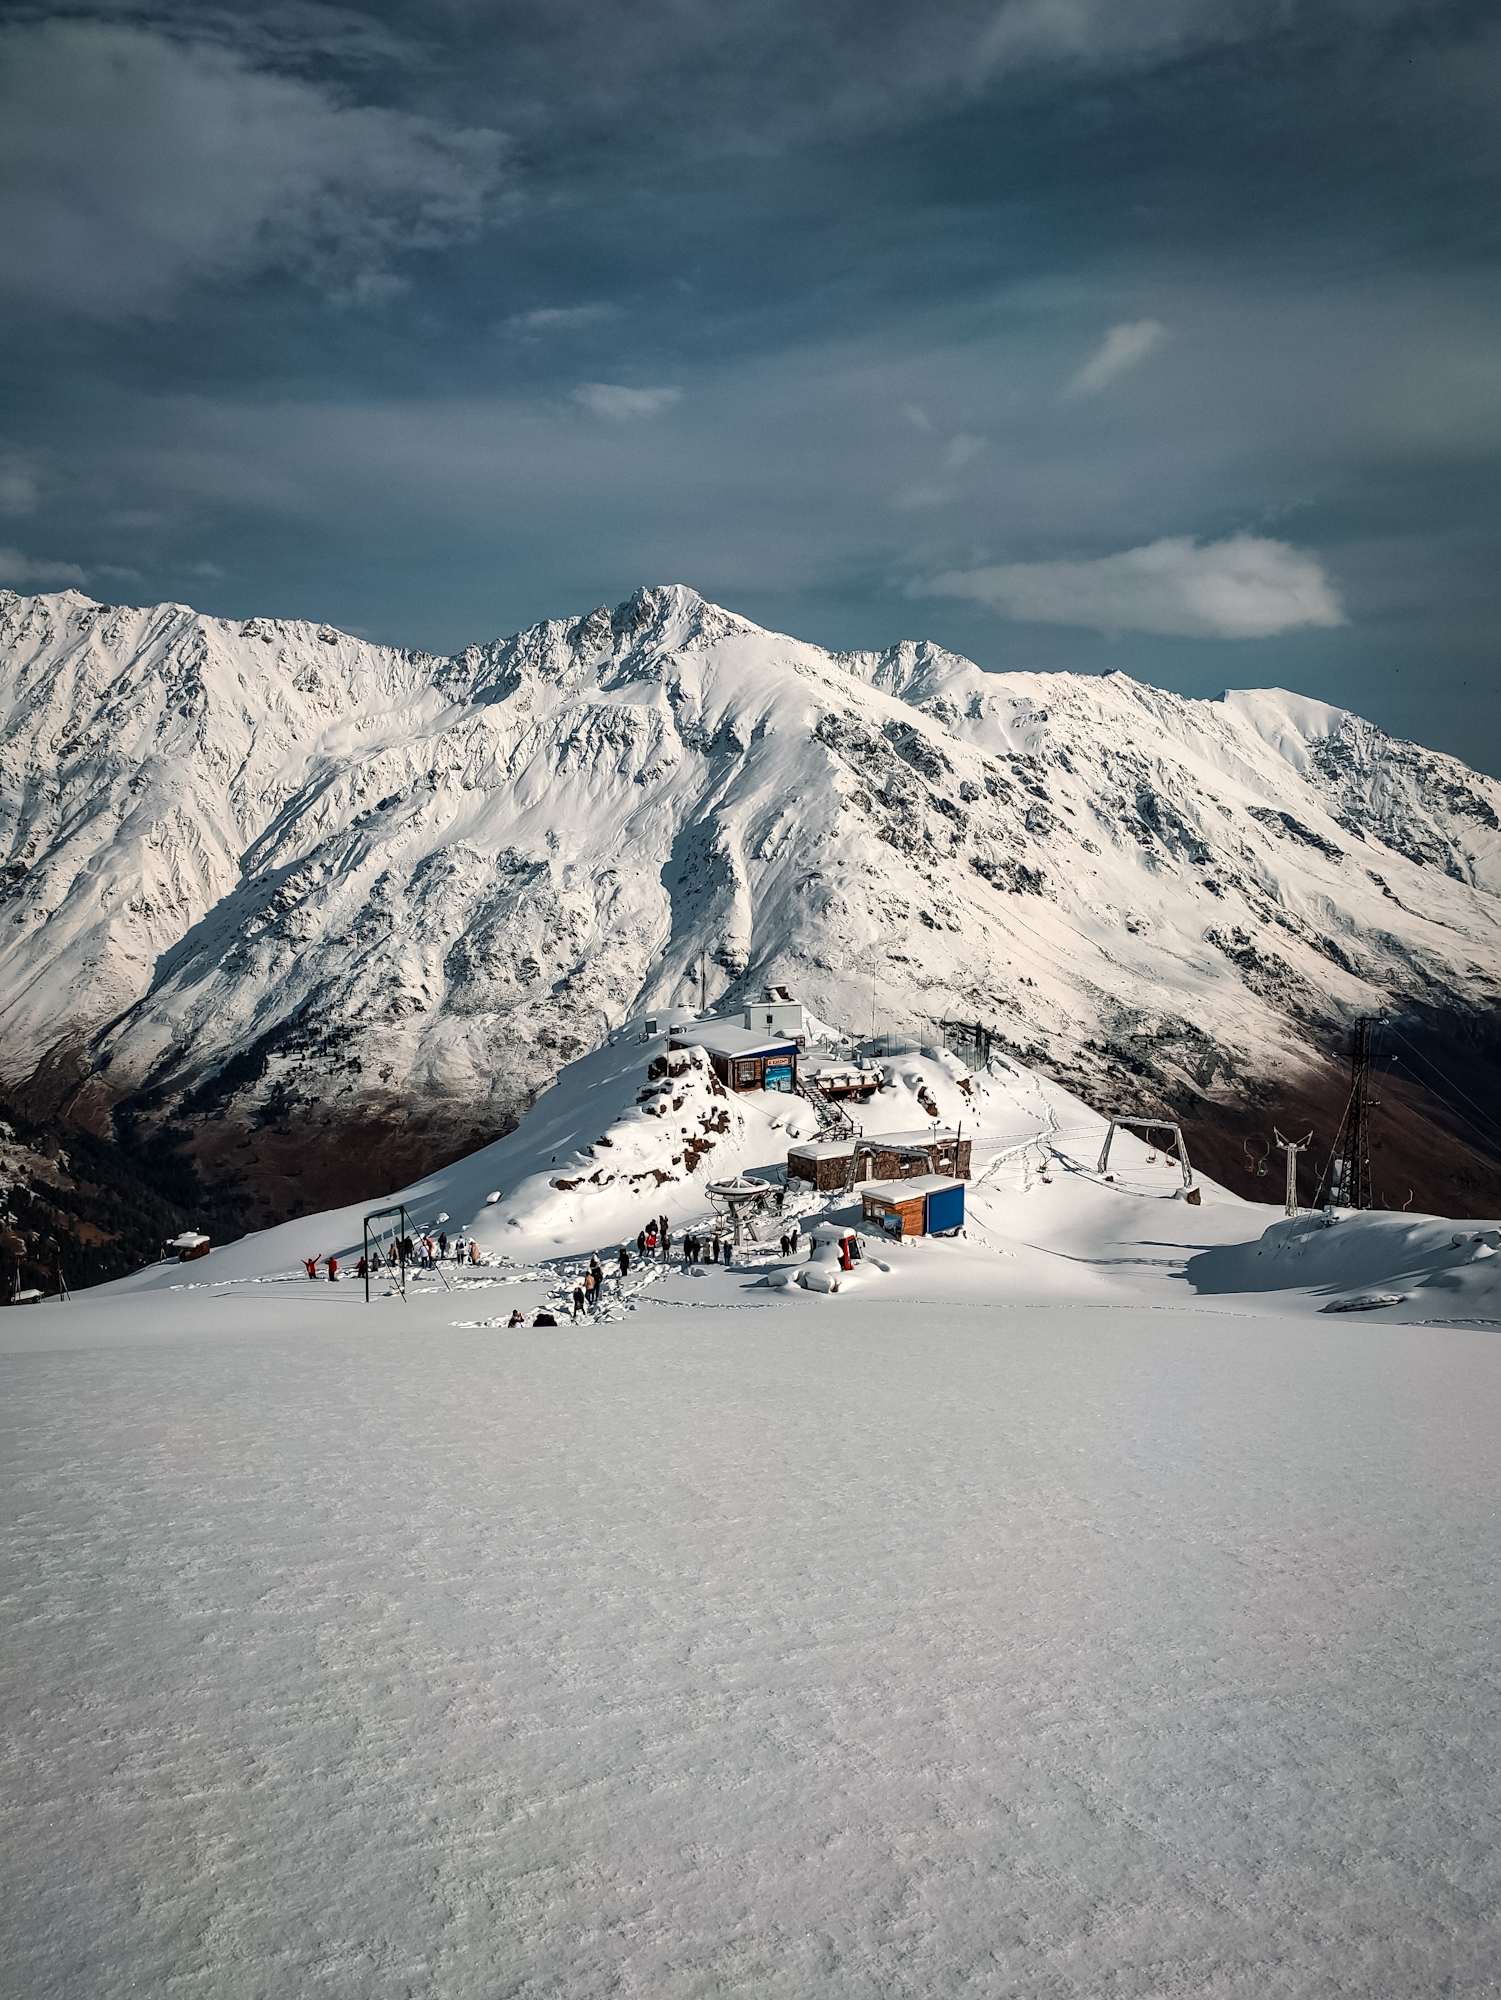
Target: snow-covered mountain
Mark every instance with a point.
(342, 908)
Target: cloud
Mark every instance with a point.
(18, 485)
(558, 319)
(134, 164)
(1245, 587)
(961, 450)
(623, 406)
(18, 568)
(1121, 349)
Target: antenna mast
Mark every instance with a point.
(1292, 1148)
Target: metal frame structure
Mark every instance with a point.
(972, 1041)
(403, 1231)
(1292, 1148)
(1349, 1168)
(1149, 1125)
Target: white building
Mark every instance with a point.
(778, 1013)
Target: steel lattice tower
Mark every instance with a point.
(1353, 1144)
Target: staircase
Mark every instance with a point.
(834, 1122)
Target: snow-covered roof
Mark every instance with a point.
(887, 1142)
(189, 1240)
(725, 1040)
(909, 1190)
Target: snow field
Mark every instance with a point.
(1062, 1609)
(762, 1648)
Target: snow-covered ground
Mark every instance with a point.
(1076, 1607)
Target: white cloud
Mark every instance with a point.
(1123, 347)
(133, 164)
(18, 568)
(1245, 587)
(623, 406)
(558, 319)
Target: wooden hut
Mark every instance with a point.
(925, 1205)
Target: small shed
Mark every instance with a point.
(741, 1059)
(884, 1156)
(926, 1205)
(188, 1246)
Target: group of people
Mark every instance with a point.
(424, 1252)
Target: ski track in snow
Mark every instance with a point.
(1072, 1608)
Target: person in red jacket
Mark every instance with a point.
(333, 1270)
(310, 1265)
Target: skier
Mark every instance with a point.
(310, 1265)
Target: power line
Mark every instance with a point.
(1452, 1086)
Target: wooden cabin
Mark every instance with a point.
(925, 1205)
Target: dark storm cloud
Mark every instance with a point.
(1175, 320)
(133, 164)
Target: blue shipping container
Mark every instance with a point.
(946, 1210)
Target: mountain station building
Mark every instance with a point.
(885, 1156)
(742, 1058)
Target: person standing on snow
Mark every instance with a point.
(443, 1245)
(333, 1270)
(625, 1260)
(310, 1265)
(578, 1302)
(473, 1251)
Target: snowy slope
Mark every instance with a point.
(291, 883)
(1071, 1608)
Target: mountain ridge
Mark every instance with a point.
(314, 903)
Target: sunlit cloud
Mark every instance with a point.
(1245, 587)
(1123, 347)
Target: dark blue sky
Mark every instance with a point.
(1070, 333)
